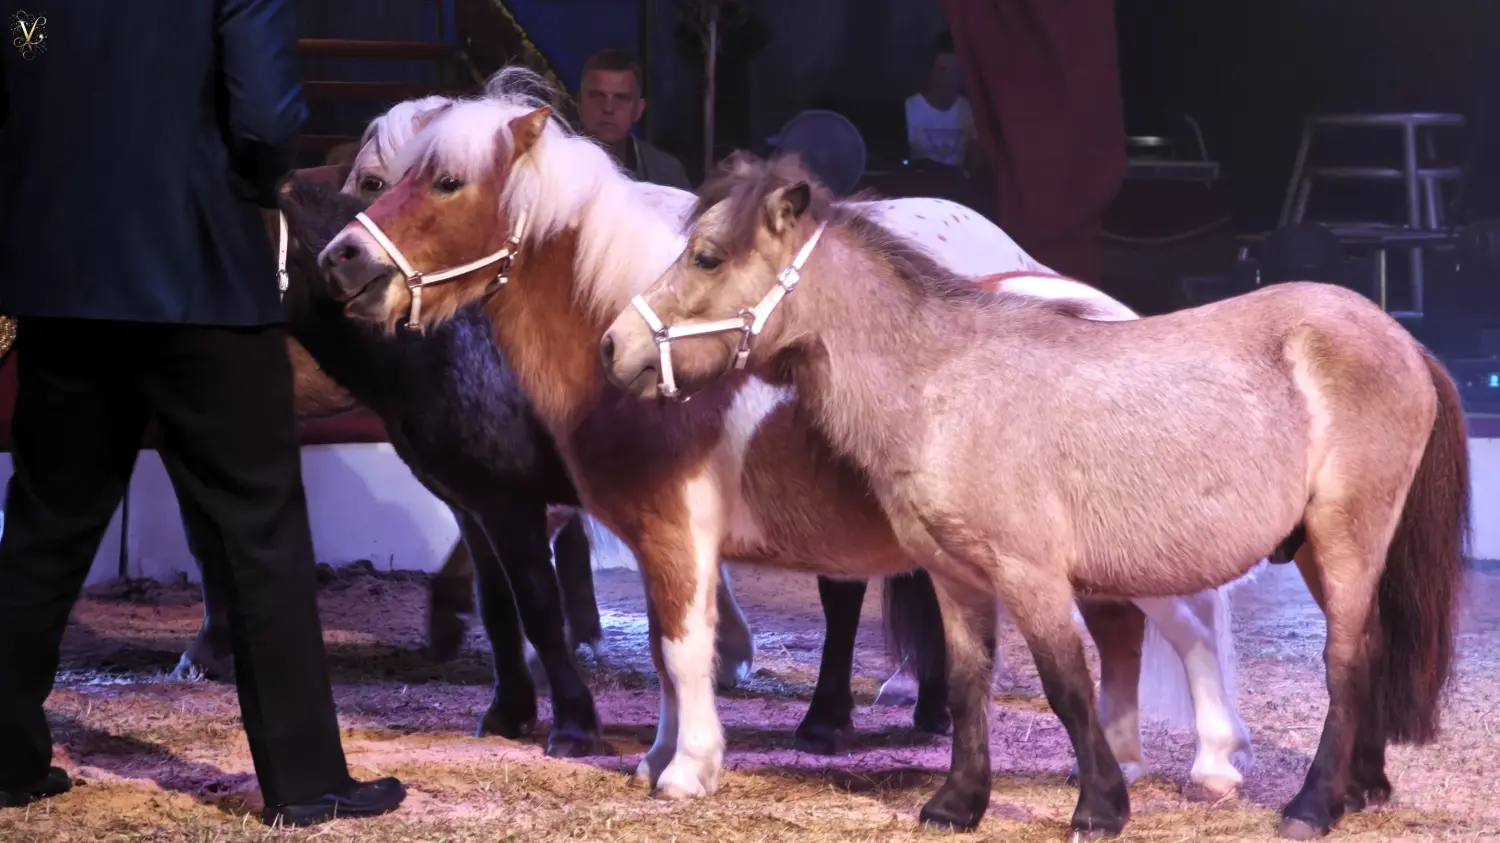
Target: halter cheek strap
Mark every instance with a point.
(416, 279)
(282, 279)
(749, 322)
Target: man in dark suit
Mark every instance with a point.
(134, 152)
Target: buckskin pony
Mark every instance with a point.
(557, 241)
(1027, 455)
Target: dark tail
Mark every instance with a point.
(914, 627)
(1419, 592)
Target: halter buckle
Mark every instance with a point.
(788, 278)
(742, 355)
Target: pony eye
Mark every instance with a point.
(371, 184)
(705, 261)
(447, 184)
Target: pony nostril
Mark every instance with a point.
(607, 351)
(347, 252)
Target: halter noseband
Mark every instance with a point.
(416, 280)
(749, 322)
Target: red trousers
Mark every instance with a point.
(1043, 80)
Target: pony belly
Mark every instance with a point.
(1116, 571)
(786, 521)
(803, 507)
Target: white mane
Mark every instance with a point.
(387, 135)
(628, 232)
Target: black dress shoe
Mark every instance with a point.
(359, 799)
(57, 781)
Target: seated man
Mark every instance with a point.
(939, 125)
(611, 102)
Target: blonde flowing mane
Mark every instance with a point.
(388, 134)
(628, 233)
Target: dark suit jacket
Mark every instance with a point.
(658, 166)
(134, 153)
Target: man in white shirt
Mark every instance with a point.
(939, 124)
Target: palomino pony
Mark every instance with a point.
(460, 422)
(737, 475)
(1025, 454)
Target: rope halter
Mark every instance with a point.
(749, 322)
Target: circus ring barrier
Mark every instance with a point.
(363, 501)
(365, 504)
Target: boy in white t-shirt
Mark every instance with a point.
(939, 125)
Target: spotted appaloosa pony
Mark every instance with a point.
(736, 474)
(1025, 454)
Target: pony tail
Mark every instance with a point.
(913, 625)
(1423, 580)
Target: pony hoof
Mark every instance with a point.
(820, 740)
(186, 671)
(194, 669)
(576, 745)
(672, 793)
(1211, 789)
(1083, 835)
(505, 724)
(932, 721)
(1369, 794)
(1361, 799)
(1295, 829)
(730, 676)
(954, 811)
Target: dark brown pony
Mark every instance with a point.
(1028, 455)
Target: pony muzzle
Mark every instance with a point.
(353, 267)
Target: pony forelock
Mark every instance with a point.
(566, 180)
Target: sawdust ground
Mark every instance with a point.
(164, 761)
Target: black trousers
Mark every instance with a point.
(222, 398)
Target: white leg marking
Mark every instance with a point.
(689, 660)
(1189, 624)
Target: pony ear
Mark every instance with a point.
(527, 130)
(739, 163)
(420, 122)
(787, 206)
